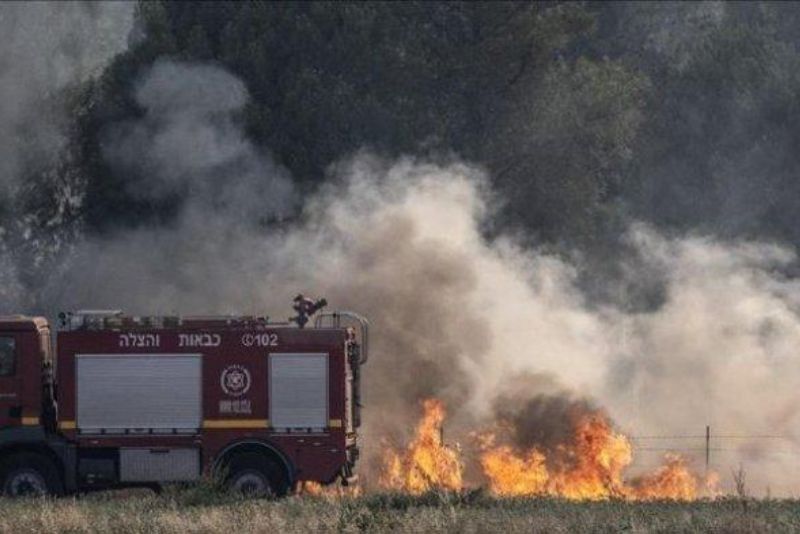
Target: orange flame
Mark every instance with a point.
(426, 463)
(591, 465)
(673, 480)
(334, 491)
(512, 474)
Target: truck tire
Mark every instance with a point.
(256, 475)
(29, 475)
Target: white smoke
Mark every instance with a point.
(720, 350)
(459, 316)
(190, 144)
(47, 47)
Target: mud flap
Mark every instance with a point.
(348, 477)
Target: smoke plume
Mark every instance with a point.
(492, 328)
(189, 145)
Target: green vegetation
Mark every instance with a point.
(683, 114)
(189, 512)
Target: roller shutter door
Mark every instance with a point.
(298, 388)
(134, 392)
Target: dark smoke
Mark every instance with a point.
(541, 421)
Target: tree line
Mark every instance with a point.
(586, 115)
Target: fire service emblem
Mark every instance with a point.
(235, 380)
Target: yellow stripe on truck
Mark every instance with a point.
(335, 423)
(67, 425)
(236, 423)
(30, 421)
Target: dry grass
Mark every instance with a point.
(204, 511)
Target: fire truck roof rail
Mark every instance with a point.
(98, 312)
(336, 320)
(115, 319)
(222, 320)
(85, 318)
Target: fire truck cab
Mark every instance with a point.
(113, 400)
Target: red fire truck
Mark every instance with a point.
(126, 401)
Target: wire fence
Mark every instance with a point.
(711, 443)
(715, 450)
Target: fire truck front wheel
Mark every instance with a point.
(29, 475)
(257, 475)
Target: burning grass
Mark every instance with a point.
(590, 465)
(426, 463)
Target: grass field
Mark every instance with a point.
(202, 511)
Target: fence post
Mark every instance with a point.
(708, 447)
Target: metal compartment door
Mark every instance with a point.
(158, 465)
(136, 392)
(298, 386)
